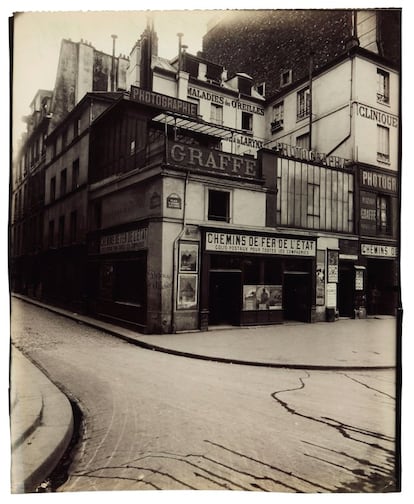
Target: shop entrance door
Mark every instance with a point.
(224, 298)
(346, 290)
(297, 296)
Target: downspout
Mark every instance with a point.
(351, 97)
(175, 255)
(310, 98)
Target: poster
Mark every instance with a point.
(188, 257)
(333, 259)
(320, 277)
(187, 291)
(262, 297)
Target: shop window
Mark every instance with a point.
(75, 174)
(247, 121)
(128, 291)
(303, 103)
(218, 205)
(383, 86)
(383, 147)
(51, 235)
(277, 122)
(61, 231)
(73, 226)
(63, 181)
(216, 115)
(52, 189)
(383, 214)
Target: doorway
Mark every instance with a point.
(224, 298)
(297, 296)
(346, 290)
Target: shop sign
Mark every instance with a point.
(229, 242)
(174, 201)
(202, 94)
(124, 242)
(163, 102)
(377, 115)
(368, 249)
(291, 151)
(377, 180)
(245, 141)
(211, 160)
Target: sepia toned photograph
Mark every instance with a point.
(205, 250)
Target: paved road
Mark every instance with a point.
(156, 421)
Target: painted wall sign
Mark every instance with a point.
(245, 140)
(212, 161)
(202, 94)
(174, 201)
(163, 101)
(368, 249)
(377, 115)
(125, 241)
(368, 212)
(377, 180)
(292, 151)
(229, 242)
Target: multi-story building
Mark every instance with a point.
(27, 199)
(203, 203)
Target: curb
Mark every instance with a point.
(120, 333)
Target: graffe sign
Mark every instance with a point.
(231, 242)
(163, 102)
(212, 160)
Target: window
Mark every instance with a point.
(285, 77)
(76, 127)
(218, 205)
(64, 138)
(73, 225)
(75, 174)
(216, 116)
(383, 214)
(52, 189)
(247, 121)
(277, 122)
(132, 147)
(383, 86)
(383, 148)
(302, 141)
(51, 236)
(63, 181)
(303, 103)
(61, 230)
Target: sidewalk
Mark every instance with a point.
(41, 416)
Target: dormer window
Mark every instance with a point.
(285, 77)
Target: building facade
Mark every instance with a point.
(189, 200)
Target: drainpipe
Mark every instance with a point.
(114, 37)
(175, 255)
(310, 98)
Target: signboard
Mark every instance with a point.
(368, 213)
(368, 249)
(377, 115)
(331, 295)
(210, 160)
(377, 180)
(163, 102)
(124, 242)
(291, 151)
(202, 94)
(230, 242)
(333, 260)
(174, 201)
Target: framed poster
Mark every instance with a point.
(249, 297)
(187, 291)
(188, 260)
(275, 299)
(333, 260)
(320, 277)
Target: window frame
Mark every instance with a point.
(213, 116)
(278, 112)
(249, 116)
(383, 154)
(303, 103)
(383, 91)
(212, 215)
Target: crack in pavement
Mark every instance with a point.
(367, 386)
(283, 471)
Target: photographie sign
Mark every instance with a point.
(163, 102)
(378, 180)
(125, 241)
(231, 242)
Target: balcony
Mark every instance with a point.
(276, 125)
